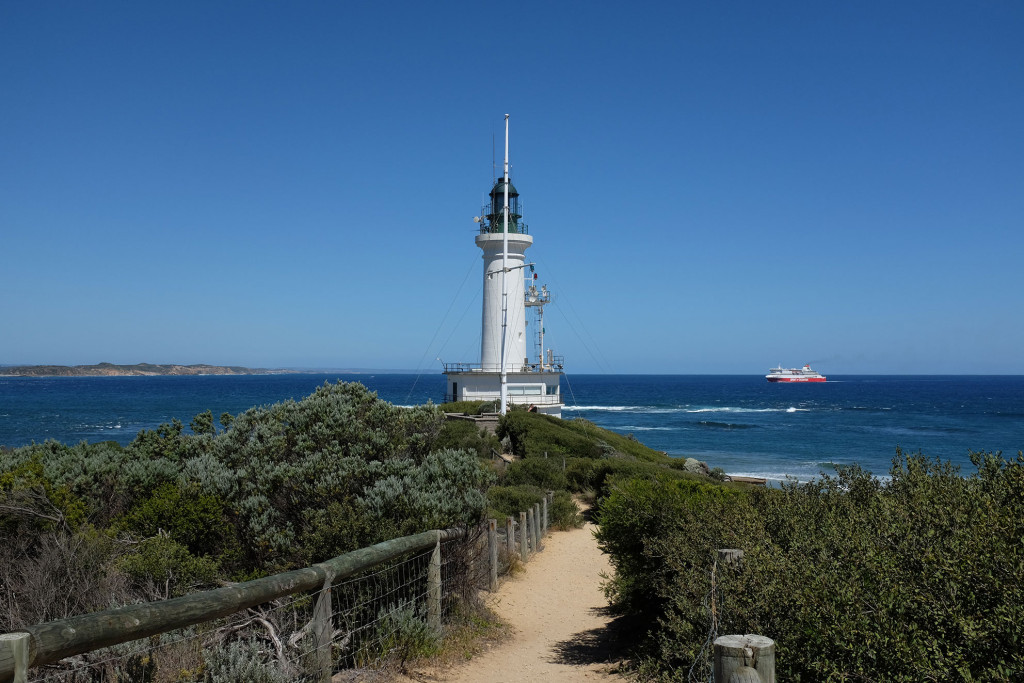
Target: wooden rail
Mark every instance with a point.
(44, 644)
(47, 643)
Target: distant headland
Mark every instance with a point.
(139, 369)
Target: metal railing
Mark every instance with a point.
(518, 399)
(558, 362)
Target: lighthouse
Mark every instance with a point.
(506, 372)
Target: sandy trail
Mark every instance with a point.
(557, 613)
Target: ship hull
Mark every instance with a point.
(787, 380)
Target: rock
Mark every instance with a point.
(697, 467)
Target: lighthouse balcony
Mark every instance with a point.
(554, 366)
(517, 227)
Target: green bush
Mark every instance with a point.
(404, 634)
(855, 579)
(253, 497)
(240, 660)
(534, 434)
(586, 474)
(168, 566)
(191, 518)
(563, 513)
(509, 501)
(466, 435)
(469, 407)
(545, 473)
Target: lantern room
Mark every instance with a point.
(493, 212)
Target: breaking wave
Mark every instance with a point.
(661, 410)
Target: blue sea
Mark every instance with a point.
(742, 424)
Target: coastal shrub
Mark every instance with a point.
(56, 574)
(162, 567)
(545, 473)
(203, 424)
(640, 513)
(509, 501)
(534, 435)
(403, 633)
(281, 486)
(918, 578)
(469, 407)
(32, 501)
(466, 435)
(564, 513)
(587, 474)
(192, 518)
(448, 489)
(247, 660)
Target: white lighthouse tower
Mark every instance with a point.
(505, 371)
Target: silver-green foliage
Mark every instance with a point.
(274, 471)
(240, 660)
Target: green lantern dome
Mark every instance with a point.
(493, 212)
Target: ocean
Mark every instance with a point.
(742, 424)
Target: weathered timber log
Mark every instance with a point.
(524, 535)
(323, 630)
(730, 557)
(536, 527)
(492, 551)
(510, 536)
(434, 585)
(735, 652)
(744, 674)
(531, 530)
(14, 654)
(56, 640)
(544, 514)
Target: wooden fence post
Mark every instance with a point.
(492, 548)
(323, 629)
(14, 649)
(510, 536)
(544, 513)
(730, 557)
(536, 526)
(434, 587)
(524, 535)
(530, 531)
(738, 657)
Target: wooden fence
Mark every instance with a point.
(44, 644)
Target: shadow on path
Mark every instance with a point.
(606, 644)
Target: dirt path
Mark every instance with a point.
(557, 613)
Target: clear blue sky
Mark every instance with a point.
(712, 187)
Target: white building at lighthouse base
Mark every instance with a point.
(532, 386)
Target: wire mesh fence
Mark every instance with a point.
(345, 619)
(376, 618)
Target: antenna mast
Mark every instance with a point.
(504, 281)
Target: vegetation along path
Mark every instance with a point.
(558, 617)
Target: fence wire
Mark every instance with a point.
(703, 670)
(378, 618)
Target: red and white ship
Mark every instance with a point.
(804, 374)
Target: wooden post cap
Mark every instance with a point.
(734, 653)
(736, 645)
(730, 556)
